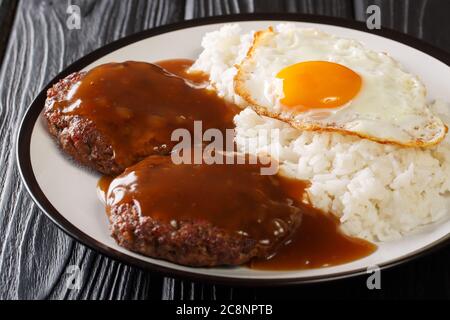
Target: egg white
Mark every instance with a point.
(390, 107)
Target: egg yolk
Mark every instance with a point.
(318, 84)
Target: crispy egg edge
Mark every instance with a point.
(239, 88)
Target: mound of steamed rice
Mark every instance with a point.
(222, 51)
(379, 192)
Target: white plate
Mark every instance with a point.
(67, 193)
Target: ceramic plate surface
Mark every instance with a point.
(66, 193)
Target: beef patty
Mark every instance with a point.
(117, 114)
(76, 134)
(202, 215)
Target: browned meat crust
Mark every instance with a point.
(76, 135)
(192, 243)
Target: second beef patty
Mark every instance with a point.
(202, 215)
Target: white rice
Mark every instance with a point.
(379, 192)
(222, 51)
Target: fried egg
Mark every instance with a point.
(317, 81)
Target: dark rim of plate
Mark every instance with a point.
(33, 112)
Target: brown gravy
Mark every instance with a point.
(138, 105)
(317, 243)
(234, 197)
(238, 198)
(103, 186)
(179, 67)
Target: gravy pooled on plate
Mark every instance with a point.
(231, 213)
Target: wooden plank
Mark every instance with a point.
(7, 13)
(337, 8)
(209, 8)
(424, 19)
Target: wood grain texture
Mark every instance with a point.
(35, 255)
(337, 8)
(424, 19)
(7, 13)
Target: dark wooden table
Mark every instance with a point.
(35, 45)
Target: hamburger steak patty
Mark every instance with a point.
(76, 134)
(116, 114)
(200, 215)
(196, 243)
